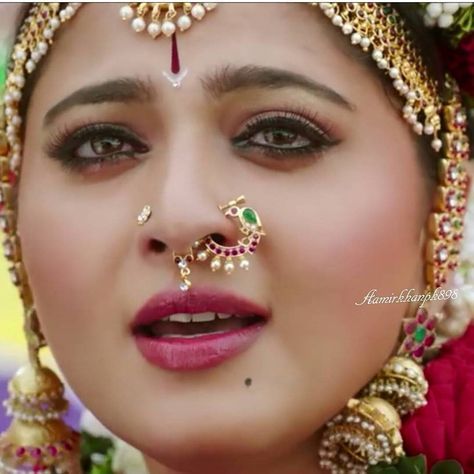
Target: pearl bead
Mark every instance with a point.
(20, 55)
(48, 33)
(429, 129)
(418, 128)
(126, 12)
(168, 28)
(216, 264)
(201, 256)
(184, 22)
(394, 73)
(337, 20)
(356, 38)
(154, 29)
(210, 6)
(437, 144)
(54, 23)
(16, 94)
(43, 47)
(434, 10)
(138, 24)
(398, 84)
(445, 20)
(30, 65)
(198, 12)
(69, 11)
(329, 12)
(407, 110)
(365, 42)
(347, 29)
(377, 54)
(19, 81)
(382, 64)
(411, 95)
(244, 264)
(229, 267)
(36, 56)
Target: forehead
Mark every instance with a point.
(97, 44)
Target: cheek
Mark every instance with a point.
(69, 248)
(353, 228)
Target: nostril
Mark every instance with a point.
(157, 246)
(218, 238)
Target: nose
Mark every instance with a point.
(186, 209)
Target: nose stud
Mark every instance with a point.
(144, 215)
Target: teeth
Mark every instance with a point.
(203, 317)
(180, 318)
(200, 317)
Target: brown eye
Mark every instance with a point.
(281, 138)
(103, 146)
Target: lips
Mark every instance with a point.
(196, 329)
(193, 301)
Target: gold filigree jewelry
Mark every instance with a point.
(365, 433)
(144, 215)
(157, 18)
(379, 30)
(251, 227)
(402, 383)
(183, 262)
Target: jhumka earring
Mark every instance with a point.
(224, 256)
(367, 431)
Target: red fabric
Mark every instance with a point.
(460, 63)
(444, 428)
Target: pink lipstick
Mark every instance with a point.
(197, 329)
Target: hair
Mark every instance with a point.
(424, 38)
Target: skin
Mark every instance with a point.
(354, 216)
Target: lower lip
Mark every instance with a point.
(200, 352)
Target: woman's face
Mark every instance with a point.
(332, 171)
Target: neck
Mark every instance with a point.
(303, 460)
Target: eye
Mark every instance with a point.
(95, 146)
(281, 135)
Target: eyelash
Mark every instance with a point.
(302, 123)
(66, 142)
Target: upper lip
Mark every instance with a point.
(193, 301)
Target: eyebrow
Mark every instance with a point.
(223, 81)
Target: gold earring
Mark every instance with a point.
(144, 215)
(37, 439)
(251, 227)
(367, 431)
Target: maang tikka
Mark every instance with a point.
(223, 257)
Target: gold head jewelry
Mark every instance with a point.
(157, 18)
